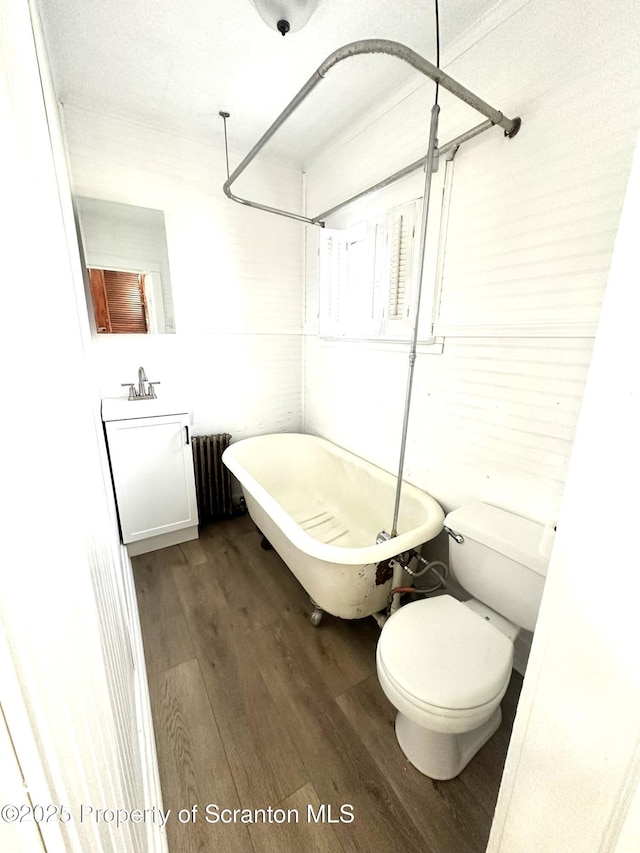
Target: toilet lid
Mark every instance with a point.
(444, 654)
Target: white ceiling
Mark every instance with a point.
(174, 65)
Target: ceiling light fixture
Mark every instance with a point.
(285, 15)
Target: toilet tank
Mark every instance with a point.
(498, 560)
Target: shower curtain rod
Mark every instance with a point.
(494, 117)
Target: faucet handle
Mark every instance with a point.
(152, 390)
(132, 389)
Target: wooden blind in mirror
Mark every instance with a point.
(119, 301)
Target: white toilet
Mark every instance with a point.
(445, 664)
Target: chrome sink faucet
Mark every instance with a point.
(142, 378)
(141, 393)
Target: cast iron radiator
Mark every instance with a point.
(213, 481)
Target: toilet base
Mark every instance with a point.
(438, 755)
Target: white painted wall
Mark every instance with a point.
(74, 694)
(572, 775)
(236, 275)
(17, 837)
(532, 226)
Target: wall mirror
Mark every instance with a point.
(125, 251)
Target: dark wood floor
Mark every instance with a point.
(254, 708)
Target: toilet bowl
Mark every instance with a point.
(445, 664)
(446, 670)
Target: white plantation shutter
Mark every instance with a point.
(365, 276)
(333, 277)
(401, 232)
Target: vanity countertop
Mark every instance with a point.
(122, 409)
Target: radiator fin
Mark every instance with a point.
(213, 481)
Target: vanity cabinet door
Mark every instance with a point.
(152, 468)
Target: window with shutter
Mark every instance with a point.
(365, 276)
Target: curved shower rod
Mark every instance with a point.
(494, 117)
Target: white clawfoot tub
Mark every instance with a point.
(321, 508)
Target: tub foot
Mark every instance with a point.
(316, 616)
(264, 544)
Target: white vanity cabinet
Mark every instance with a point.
(152, 470)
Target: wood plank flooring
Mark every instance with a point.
(254, 708)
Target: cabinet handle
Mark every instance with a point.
(186, 435)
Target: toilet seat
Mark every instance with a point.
(444, 661)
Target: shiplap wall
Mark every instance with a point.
(236, 275)
(533, 221)
(73, 689)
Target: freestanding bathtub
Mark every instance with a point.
(321, 508)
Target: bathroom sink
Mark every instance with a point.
(122, 409)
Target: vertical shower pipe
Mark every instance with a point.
(435, 111)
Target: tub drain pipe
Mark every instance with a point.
(433, 145)
(396, 582)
